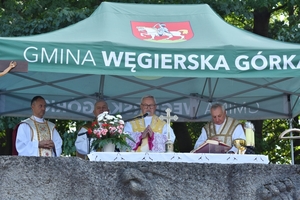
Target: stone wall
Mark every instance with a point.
(73, 178)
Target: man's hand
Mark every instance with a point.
(144, 134)
(215, 138)
(150, 131)
(147, 132)
(46, 144)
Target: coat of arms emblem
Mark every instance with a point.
(165, 32)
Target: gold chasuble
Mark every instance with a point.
(39, 132)
(225, 131)
(138, 125)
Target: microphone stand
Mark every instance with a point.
(138, 117)
(89, 145)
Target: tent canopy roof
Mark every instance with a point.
(185, 55)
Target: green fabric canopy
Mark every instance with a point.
(184, 55)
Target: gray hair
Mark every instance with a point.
(217, 105)
(148, 96)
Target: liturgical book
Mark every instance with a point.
(212, 146)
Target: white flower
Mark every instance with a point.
(119, 116)
(110, 117)
(101, 116)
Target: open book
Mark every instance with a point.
(212, 146)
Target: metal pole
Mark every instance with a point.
(291, 126)
(292, 142)
(101, 87)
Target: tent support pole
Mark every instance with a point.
(292, 142)
(291, 126)
(209, 90)
(101, 87)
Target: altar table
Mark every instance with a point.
(178, 157)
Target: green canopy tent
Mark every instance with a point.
(184, 55)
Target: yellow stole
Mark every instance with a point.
(138, 125)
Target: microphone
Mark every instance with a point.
(146, 114)
(139, 117)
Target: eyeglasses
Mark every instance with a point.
(149, 105)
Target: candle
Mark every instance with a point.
(250, 139)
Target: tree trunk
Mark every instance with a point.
(261, 27)
(258, 124)
(297, 152)
(261, 22)
(183, 138)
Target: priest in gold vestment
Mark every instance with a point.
(149, 132)
(37, 136)
(222, 128)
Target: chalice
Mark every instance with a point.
(240, 144)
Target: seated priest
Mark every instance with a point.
(148, 132)
(222, 128)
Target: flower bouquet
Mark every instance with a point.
(108, 129)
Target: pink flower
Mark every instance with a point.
(106, 127)
(112, 129)
(98, 135)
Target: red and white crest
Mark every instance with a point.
(164, 32)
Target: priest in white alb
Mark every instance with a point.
(149, 133)
(222, 128)
(37, 136)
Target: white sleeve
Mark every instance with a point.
(165, 132)
(57, 142)
(202, 138)
(238, 133)
(134, 135)
(24, 145)
(82, 142)
(128, 128)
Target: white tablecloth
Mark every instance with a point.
(178, 157)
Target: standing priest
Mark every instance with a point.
(148, 131)
(37, 136)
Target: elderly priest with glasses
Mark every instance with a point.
(148, 131)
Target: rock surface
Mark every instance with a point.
(73, 178)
